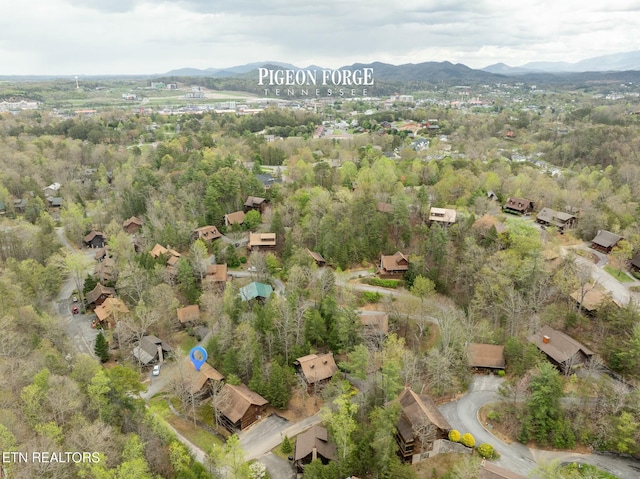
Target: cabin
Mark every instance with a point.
(151, 350)
(634, 264)
(562, 350)
(257, 291)
(316, 370)
(485, 356)
(235, 218)
(558, 219)
(375, 326)
(110, 312)
(216, 276)
(420, 425)
(206, 234)
(518, 206)
(255, 203)
(317, 257)
(106, 271)
(189, 315)
(240, 407)
(442, 216)
(261, 242)
(489, 470)
(313, 444)
(95, 239)
(132, 225)
(98, 295)
(203, 381)
(591, 298)
(393, 266)
(605, 241)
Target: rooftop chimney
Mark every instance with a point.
(546, 339)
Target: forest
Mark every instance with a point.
(488, 278)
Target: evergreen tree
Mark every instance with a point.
(101, 348)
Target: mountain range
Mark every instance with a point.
(435, 71)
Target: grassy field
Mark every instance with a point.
(621, 276)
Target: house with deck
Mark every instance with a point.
(393, 266)
(561, 349)
(605, 241)
(261, 242)
(316, 369)
(442, 216)
(420, 426)
(239, 407)
(557, 219)
(518, 206)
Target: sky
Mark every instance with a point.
(99, 37)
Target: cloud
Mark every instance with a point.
(139, 36)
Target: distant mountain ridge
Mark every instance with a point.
(628, 61)
(439, 71)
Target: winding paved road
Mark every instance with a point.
(463, 415)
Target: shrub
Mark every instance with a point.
(501, 373)
(454, 435)
(468, 440)
(486, 450)
(383, 283)
(368, 297)
(286, 447)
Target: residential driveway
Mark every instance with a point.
(257, 440)
(277, 467)
(260, 438)
(619, 291)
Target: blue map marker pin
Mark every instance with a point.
(198, 362)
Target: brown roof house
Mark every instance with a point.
(235, 218)
(394, 266)
(316, 369)
(261, 241)
(110, 312)
(106, 270)
(442, 216)
(132, 225)
(255, 203)
(204, 381)
(420, 426)
(151, 349)
(485, 356)
(98, 295)
(240, 407)
(559, 219)
(489, 470)
(95, 239)
(591, 298)
(518, 206)
(317, 257)
(189, 315)
(375, 326)
(206, 233)
(562, 350)
(313, 444)
(605, 241)
(216, 276)
(635, 263)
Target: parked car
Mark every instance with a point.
(156, 370)
(75, 310)
(251, 269)
(74, 299)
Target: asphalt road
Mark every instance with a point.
(77, 326)
(463, 415)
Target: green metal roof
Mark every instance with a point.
(255, 290)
